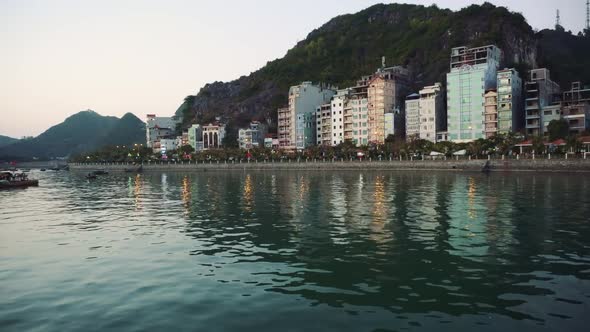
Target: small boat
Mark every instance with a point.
(137, 169)
(100, 172)
(90, 176)
(43, 169)
(10, 180)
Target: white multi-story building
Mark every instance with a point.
(252, 136)
(413, 116)
(433, 118)
(510, 103)
(297, 124)
(356, 118)
(330, 120)
(158, 127)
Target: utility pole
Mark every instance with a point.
(587, 14)
(557, 20)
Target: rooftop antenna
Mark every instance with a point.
(588, 14)
(557, 20)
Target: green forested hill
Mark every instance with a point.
(127, 131)
(5, 140)
(83, 131)
(418, 37)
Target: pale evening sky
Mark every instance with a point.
(115, 56)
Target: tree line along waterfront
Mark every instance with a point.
(498, 147)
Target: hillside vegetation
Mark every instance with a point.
(81, 132)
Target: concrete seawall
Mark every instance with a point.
(553, 165)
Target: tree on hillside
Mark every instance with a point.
(558, 129)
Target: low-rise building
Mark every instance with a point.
(213, 135)
(195, 137)
(158, 128)
(252, 136)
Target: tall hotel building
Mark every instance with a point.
(297, 123)
(473, 72)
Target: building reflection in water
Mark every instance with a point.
(379, 209)
(379, 213)
(135, 186)
(186, 194)
(164, 180)
(248, 194)
(471, 212)
(468, 221)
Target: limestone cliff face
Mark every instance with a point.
(350, 46)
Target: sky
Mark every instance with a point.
(59, 57)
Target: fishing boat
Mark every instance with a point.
(91, 176)
(10, 180)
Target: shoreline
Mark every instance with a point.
(526, 165)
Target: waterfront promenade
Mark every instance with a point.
(551, 165)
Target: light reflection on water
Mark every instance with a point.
(296, 251)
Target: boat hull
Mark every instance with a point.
(19, 184)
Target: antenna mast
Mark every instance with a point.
(588, 14)
(557, 20)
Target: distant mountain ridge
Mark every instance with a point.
(420, 38)
(5, 140)
(82, 132)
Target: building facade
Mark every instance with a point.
(213, 135)
(473, 72)
(433, 118)
(541, 92)
(305, 130)
(491, 114)
(576, 108)
(295, 128)
(157, 128)
(253, 136)
(510, 103)
(413, 116)
(386, 90)
(195, 137)
(389, 124)
(324, 125)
